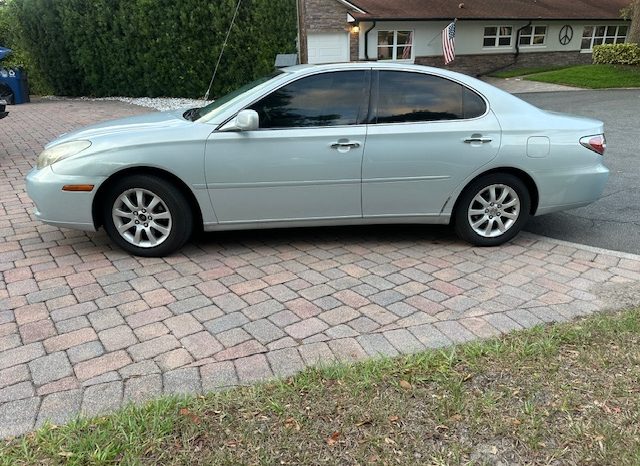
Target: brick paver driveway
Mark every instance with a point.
(85, 328)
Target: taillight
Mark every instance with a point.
(596, 143)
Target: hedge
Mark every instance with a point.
(153, 47)
(10, 36)
(616, 54)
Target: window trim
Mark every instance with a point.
(497, 37)
(361, 120)
(375, 93)
(533, 35)
(395, 46)
(593, 36)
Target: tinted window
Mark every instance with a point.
(473, 105)
(411, 97)
(327, 99)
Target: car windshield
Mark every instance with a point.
(219, 104)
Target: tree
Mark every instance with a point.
(633, 12)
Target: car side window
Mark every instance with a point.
(326, 99)
(417, 97)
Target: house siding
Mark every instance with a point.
(472, 57)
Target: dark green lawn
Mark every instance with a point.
(523, 71)
(592, 76)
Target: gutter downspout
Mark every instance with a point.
(518, 38)
(517, 54)
(366, 40)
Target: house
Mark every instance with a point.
(490, 34)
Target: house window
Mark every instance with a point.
(533, 35)
(497, 36)
(395, 45)
(597, 35)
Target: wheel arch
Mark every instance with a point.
(522, 175)
(153, 171)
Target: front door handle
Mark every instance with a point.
(477, 139)
(345, 145)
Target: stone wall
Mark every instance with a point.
(354, 45)
(324, 15)
(477, 65)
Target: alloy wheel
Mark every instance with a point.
(494, 210)
(142, 218)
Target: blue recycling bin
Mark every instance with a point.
(14, 86)
(13, 81)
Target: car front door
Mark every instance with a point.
(427, 135)
(305, 160)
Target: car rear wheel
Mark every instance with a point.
(147, 216)
(492, 210)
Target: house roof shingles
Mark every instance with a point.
(490, 9)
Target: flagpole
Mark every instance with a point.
(455, 20)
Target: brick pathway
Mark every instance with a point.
(85, 328)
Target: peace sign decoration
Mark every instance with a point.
(566, 34)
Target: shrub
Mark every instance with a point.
(153, 47)
(616, 54)
(11, 37)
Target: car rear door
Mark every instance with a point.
(427, 134)
(305, 160)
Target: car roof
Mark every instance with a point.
(305, 69)
(367, 65)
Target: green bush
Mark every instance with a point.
(11, 37)
(616, 54)
(153, 47)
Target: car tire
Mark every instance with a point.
(492, 210)
(147, 216)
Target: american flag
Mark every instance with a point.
(406, 52)
(449, 43)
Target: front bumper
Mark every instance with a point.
(62, 208)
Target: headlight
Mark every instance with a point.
(60, 152)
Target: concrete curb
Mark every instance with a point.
(583, 247)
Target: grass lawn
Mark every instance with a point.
(565, 394)
(523, 71)
(592, 76)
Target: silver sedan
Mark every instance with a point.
(362, 143)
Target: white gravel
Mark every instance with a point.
(158, 103)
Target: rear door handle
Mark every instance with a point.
(345, 145)
(478, 139)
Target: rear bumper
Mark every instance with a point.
(569, 190)
(61, 208)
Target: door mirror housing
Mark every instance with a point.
(246, 120)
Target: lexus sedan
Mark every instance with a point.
(345, 144)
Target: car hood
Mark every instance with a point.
(137, 124)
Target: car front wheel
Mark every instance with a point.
(147, 216)
(492, 210)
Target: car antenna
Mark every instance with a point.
(224, 45)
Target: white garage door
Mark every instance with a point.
(330, 47)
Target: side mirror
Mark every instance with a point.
(246, 120)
